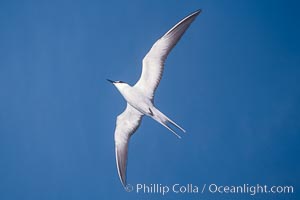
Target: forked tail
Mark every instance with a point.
(164, 120)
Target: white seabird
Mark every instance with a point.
(140, 96)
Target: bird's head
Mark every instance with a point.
(118, 84)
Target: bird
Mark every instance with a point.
(140, 97)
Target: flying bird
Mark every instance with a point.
(140, 96)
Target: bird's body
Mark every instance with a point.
(139, 97)
(135, 97)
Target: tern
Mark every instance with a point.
(140, 96)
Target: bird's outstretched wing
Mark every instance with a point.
(153, 62)
(127, 123)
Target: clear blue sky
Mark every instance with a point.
(232, 82)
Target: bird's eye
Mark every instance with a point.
(120, 81)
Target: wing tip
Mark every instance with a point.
(120, 167)
(198, 11)
(195, 13)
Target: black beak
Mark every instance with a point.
(110, 80)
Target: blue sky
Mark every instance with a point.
(232, 82)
